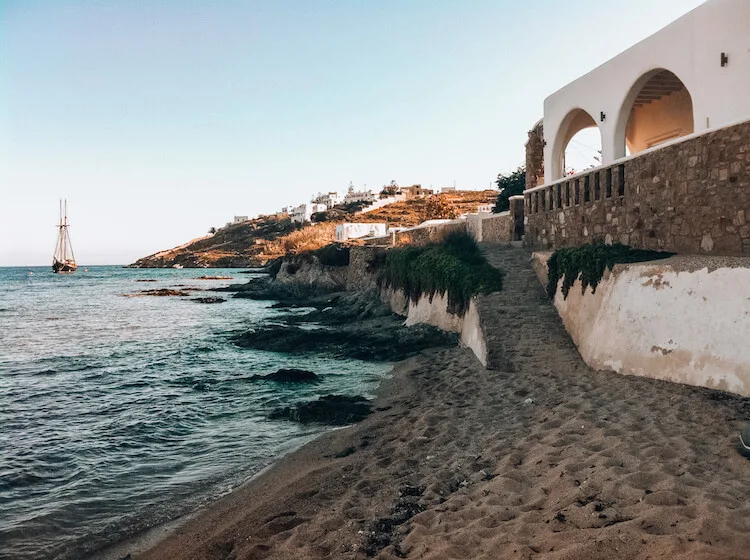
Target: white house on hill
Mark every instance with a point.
(302, 213)
(330, 199)
(358, 196)
(356, 231)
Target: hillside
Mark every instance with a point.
(254, 243)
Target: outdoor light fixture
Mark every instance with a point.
(602, 116)
(724, 59)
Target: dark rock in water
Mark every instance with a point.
(162, 292)
(267, 289)
(290, 375)
(335, 410)
(145, 280)
(209, 300)
(377, 341)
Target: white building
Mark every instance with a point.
(302, 213)
(358, 196)
(240, 219)
(330, 199)
(689, 77)
(356, 231)
(485, 208)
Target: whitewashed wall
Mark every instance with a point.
(676, 320)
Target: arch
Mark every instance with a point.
(574, 122)
(658, 108)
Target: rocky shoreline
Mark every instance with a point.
(343, 324)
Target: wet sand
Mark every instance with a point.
(549, 460)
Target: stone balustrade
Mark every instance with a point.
(690, 196)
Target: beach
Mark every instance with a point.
(547, 459)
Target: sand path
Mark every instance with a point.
(541, 458)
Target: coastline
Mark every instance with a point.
(463, 462)
(166, 540)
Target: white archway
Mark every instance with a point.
(658, 108)
(574, 123)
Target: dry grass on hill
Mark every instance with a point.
(308, 238)
(410, 213)
(257, 241)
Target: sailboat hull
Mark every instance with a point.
(63, 267)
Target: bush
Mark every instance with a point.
(589, 263)
(510, 185)
(455, 267)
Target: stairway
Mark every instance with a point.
(521, 326)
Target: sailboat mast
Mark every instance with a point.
(64, 232)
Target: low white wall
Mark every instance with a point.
(435, 312)
(683, 319)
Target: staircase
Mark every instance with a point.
(521, 326)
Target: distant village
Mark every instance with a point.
(360, 201)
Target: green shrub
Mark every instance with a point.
(455, 267)
(510, 185)
(589, 263)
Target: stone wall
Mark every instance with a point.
(497, 228)
(359, 275)
(678, 319)
(691, 196)
(428, 234)
(535, 157)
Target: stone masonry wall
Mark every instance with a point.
(428, 234)
(535, 157)
(498, 228)
(688, 197)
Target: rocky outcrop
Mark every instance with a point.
(335, 410)
(384, 340)
(209, 299)
(290, 375)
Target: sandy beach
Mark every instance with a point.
(552, 460)
(542, 457)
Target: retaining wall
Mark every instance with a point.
(434, 311)
(422, 235)
(683, 319)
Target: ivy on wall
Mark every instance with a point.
(587, 263)
(455, 267)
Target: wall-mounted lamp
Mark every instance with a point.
(724, 59)
(544, 143)
(602, 116)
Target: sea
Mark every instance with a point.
(119, 413)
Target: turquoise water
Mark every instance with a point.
(119, 413)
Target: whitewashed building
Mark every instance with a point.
(356, 231)
(353, 195)
(240, 219)
(302, 213)
(690, 77)
(330, 199)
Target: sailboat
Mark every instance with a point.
(63, 260)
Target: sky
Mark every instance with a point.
(160, 119)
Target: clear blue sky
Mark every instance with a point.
(160, 119)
